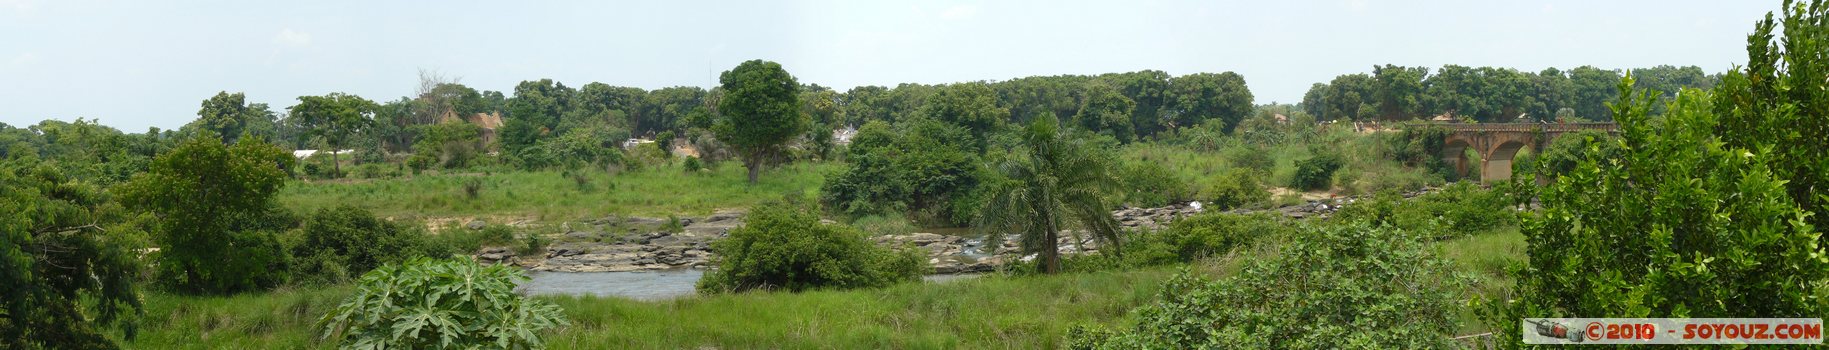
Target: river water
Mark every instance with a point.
(643, 285)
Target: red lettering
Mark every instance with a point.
(1813, 331)
(1689, 331)
(1647, 331)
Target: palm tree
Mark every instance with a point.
(1052, 179)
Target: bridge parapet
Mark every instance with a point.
(1527, 127)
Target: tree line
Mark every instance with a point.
(1488, 94)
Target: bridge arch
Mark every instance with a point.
(1498, 143)
(1455, 154)
(1498, 162)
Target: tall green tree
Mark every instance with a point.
(1106, 112)
(1593, 88)
(1053, 180)
(335, 118)
(231, 116)
(64, 274)
(1202, 96)
(1149, 90)
(212, 203)
(969, 105)
(759, 112)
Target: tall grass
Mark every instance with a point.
(990, 312)
(654, 191)
(995, 312)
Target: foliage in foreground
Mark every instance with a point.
(62, 274)
(784, 246)
(1347, 286)
(1681, 225)
(441, 304)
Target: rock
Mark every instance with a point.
(923, 238)
(724, 215)
(476, 225)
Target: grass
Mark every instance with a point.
(552, 195)
(1485, 256)
(990, 312)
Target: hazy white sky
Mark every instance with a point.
(135, 64)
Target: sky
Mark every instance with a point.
(139, 64)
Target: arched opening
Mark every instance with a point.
(1455, 154)
(1498, 163)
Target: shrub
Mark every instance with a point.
(1316, 172)
(427, 304)
(1251, 158)
(1328, 287)
(692, 165)
(473, 188)
(784, 246)
(1459, 209)
(347, 241)
(1149, 184)
(1233, 190)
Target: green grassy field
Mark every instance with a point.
(551, 195)
(991, 312)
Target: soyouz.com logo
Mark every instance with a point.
(1673, 330)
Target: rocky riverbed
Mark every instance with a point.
(616, 244)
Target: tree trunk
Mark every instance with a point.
(335, 164)
(1051, 256)
(755, 169)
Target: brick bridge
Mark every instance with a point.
(1498, 143)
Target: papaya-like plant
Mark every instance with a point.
(441, 304)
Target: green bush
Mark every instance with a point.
(336, 243)
(1233, 190)
(1149, 184)
(1348, 286)
(441, 304)
(692, 166)
(1459, 209)
(1252, 158)
(466, 241)
(784, 246)
(1316, 173)
(1204, 235)
(928, 172)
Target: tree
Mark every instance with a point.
(925, 168)
(231, 116)
(1593, 88)
(1149, 90)
(334, 118)
(969, 105)
(1053, 179)
(211, 203)
(64, 274)
(1398, 91)
(759, 112)
(1202, 96)
(1106, 112)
